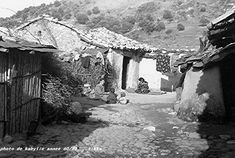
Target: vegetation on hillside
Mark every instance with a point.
(142, 20)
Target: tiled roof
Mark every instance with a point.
(110, 39)
(104, 38)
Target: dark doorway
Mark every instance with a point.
(228, 83)
(125, 65)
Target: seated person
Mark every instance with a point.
(98, 91)
(86, 89)
(142, 86)
(112, 97)
(122, 98)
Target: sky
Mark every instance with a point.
(9, 7)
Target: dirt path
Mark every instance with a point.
(147, 127)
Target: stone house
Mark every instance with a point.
(126, 55)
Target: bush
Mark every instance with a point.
(89, 12)
(169, 31)
(203, 21)
(57, 3)
(110, 23)
(180, 27)
(202, 9)
(67, 16)
(179, 2)
(81, 18)
(130, 19)
(57, 14)
(94, 22)
(55, 92)
(126, 27)
(147, 8)
(147, 26)
(9, 23)
(167, 15)
(161, 26)
(96, 10)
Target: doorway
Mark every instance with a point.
(228, 84)
(125, 66)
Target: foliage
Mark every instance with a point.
(57, 3)
(67, 16)
(169, 31)
(147, 7)
(9, 23)
(180, 27)
(94, 21)
(160, 26)
(95, 10)
(110, 23)
(58, 14)
(126, 27)
(203, 21)
(89, 12)
(54, 92)
(82, 18)
(167, 15)
(148, 24)
(130, 19)
(203, 9)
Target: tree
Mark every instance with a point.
(160, 26)
(82, 18)
(57, 3)
(89, 12)
(126, 27)
(96, 10)
(148, 7)
(180, 27)
(56, 14)
(167, 15)
(130, 19)
(203, 21)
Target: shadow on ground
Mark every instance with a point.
(220, 139)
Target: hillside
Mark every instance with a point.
(163, 23)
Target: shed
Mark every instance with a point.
(20, 83)
(209, 86)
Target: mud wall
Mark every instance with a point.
(202, 92)
(147, 70)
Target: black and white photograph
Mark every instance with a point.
(117, 78)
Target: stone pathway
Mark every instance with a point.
(134, 130)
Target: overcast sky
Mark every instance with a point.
(8, 7)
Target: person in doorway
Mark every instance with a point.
(142, 86)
